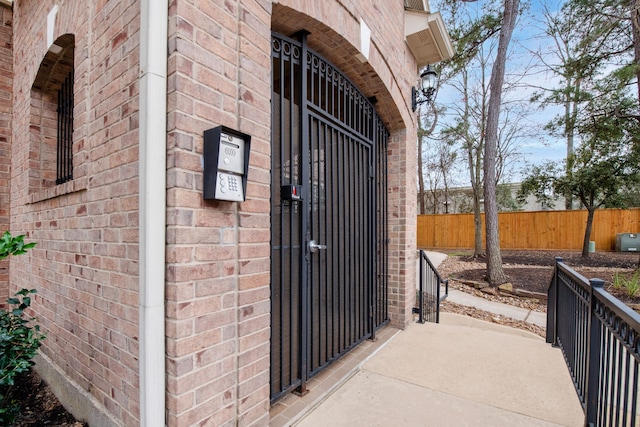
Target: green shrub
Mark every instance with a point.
(20, 338)
(19, 342)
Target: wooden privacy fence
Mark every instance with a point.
(530, 230)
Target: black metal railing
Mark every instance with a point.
(600, 339)
(429, 294)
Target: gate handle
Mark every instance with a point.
(313, 246)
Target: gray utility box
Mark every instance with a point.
(627, 242)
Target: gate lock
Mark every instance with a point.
(291, 192)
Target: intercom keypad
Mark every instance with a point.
(226, 158)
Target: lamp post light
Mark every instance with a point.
(426, 89)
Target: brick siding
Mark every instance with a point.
(85, 264)
(6, 96)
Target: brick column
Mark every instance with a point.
(218, 308)
(402, 226)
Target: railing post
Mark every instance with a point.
(438, 300)
(593, 358)
(421, 288)
(552, 307)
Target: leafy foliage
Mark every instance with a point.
(19, 337)
(605, 169)
(19, 342)
(10, 245)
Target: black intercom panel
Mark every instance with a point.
(226, 164)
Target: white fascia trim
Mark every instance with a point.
(8, 3)
(152, 199)
(427, 37)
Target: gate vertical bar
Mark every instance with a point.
(295, 332)
(304, 155)
(381, 298)
(281, 260)
(60, 146)
(69, 130)
(286, 232)
(422, 284)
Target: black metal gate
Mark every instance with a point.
(328, 216)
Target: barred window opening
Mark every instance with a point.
(65, 131)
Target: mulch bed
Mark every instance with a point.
(39, 406)
(532, 270)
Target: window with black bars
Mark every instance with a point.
(64, 159)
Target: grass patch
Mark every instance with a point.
(630, 285)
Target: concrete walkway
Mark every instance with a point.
(518, 313)
(461, 372)
(506, 310)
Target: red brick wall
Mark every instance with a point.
(6, 95)
(85, 265)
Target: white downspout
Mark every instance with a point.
(152, 200)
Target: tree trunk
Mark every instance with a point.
(477, 223)
(635, 27)
(476, 182)
(474, 157)
(446, 193)
(568, 130)
(587, 232)
(434, 201)
(495, 273)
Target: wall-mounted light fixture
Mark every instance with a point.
(426, 88)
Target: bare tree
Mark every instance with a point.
(469, 129)
(469, 132)
(439, 166)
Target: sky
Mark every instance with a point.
(535, 145)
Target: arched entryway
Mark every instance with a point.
(328, 215)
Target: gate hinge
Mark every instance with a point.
(372, 173)
(371, 311)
